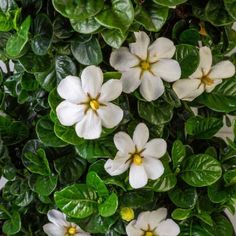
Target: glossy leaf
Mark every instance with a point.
(181, 214)
(13, 225)
(169, 3)
(86, 26)
(201, 170)
(109, 206)
(178, 153)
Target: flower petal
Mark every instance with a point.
(110, 114)
(167, 227)
(110, 90)
(137, 176)
(92, 78)
(222, 70)
(140, 136)
(56, 217)
(209, 88)
(161, 48)
(151, 218)
(188, 89)
(151, 86)
(168, 69)
(54, 230)
(205, 59)
(131, 79)
(69, 113)
(124, 143)
(155, 148)
(71, 90)
(90, 127)
(140, 47)
(131, 230)
(153, 167)
(3, 182)
(117, 166)
(122, 59)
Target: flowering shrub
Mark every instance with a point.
(117, 117)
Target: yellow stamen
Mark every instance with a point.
(149, 233)
(71, 231)
(206, 80)
(127, 213)
(94, 104)
(145, 65)
(137, 159)
(202, 30)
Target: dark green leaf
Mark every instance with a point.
(78, 200)
(86, 26)
(201, 170)
(203, 128)
(178, 153)
(13, 225)
(109, 206)
(230, 6)
(188, 58)
(230, 177)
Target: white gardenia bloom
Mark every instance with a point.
(152, 223)
(87, 103)
(59, 226)
(141, 156)
(146, 65)
(205, 78)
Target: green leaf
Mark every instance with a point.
(217, 14)
(203, 128)
(38, 185)
(34, 63)
(222, 98)
(230, 177)
(178, 153)
(43, 33)
(87, 52)
(200, 170)
(114, 38)
(12, 132)
(119, 15)
(34, 158)
(78, 200)
(17, 42)
(182, 196)
(169, 3)
(230, 6)
(181, 214)
(69, 168)
(217, 192)
(78, 9)
(28, 82)
(152, 17)
(155, 112)
(223, 226)
(13, 225)
(8, 5)
(6, 23)
(190, 36)
(45, 132)
(86, 26)
(205, 217)
(109, 206)
(188, 58)
(95, 182)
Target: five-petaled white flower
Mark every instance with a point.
(87, 103)
(140, 155)
(59, 226)
(205, 78)
(152, 223)
(146, 65)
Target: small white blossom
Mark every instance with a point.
(152, 223)
(141, 156)
(146, 65)
(205, 78)
(59, 226)
(87, 103)
(3, 182)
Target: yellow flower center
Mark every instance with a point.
(149, 233)
(127, 213)
(94, 104)
(71, 231)
(145, 65)
(206, 80)
(137, 159)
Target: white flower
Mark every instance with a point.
(59, 226)
(87, 103)
(138, 154)
(205, 78)
(152, 223)
(145, 65)
(3, 182)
